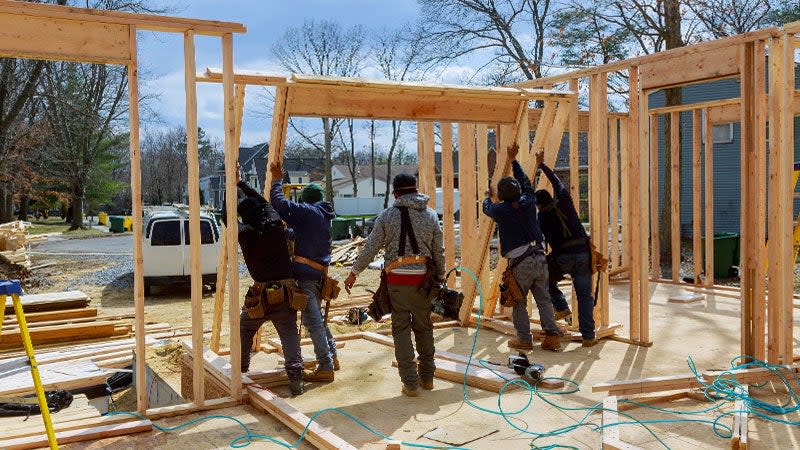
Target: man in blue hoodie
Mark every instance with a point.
(311, 221)
(521, 243)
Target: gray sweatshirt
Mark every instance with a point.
(386, 234)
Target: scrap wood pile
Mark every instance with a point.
(14, 242)
(345, 255)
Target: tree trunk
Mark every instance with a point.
(5, 212)
(372, 154)
(389, 164)
(673, 39)
(326, 127)
(24, 202)
(77, 198)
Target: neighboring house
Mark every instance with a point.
(343, 181)
(727, 157)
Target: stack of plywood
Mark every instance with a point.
(346, 254)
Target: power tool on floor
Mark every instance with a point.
(531, 372)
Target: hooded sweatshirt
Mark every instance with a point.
(311, 223)
(562, 229)
(386, 234)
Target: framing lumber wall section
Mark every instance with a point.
(752, 58)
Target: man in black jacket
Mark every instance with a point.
(569, 247)
(263, 239)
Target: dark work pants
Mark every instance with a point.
(285, 320)
(579, 268)
(411, 311)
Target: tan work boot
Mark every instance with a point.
(563, 314)
(589, 342)
(336, 363)
(551, 342)
(520, 345)
(426, 384)
(410, 391)
(318, 375)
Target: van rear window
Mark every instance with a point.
(166, 232)
(207, 234)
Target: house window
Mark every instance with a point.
(722, 132)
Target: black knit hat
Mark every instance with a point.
(404, 183)
(249, 210)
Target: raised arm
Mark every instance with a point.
(248, 191)
(524, 181)
(559, 188)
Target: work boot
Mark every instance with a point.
(426, 384)
(589, 342)
(410, 391)
(296, 386)
(551, 342)
(324, 376)
(520, 345)
(563, 314)
(336, 363)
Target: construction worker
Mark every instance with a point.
(265, 248)
(570, 250)
(311, 221)
(521, 244)
(407, 276)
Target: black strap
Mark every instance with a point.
(406, 231)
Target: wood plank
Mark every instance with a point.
(574, 162)
(625, 182)
(80, 435)
(48, 316)
(448, 201)
(476, 376)
(61, 333)
(675, 193)
(610, 417)
(650, 384)
(232, 156)
(632, 162)
(708, 200)
(482, 152)
(427, 169)
(468, 200)
(655, 250)
(641, 199)
(316, 435)
(66, 40)
(748, 193)
(785, 189)
(686, 298)
(759, 290)
(613, 199)
(708, 104)
(709, 64)
(49, 301)
(189, 408)
(651, 400)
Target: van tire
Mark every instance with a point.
(147, 289)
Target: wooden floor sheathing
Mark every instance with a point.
(368, 387)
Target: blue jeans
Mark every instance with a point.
(312, 319)
(579, 267)
(531, 275)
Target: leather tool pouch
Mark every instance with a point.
(510, 293)
(431, 285)
(254, 301)
(380, 305)
(276, 294)
(297, 298)
(330, 288)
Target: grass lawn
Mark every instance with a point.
(57, 225)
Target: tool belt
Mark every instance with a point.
(380, 305)
(263, 294)
(330, 286)
(510, 292)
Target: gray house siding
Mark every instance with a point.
(727, 160)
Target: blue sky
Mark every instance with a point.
(161, 55)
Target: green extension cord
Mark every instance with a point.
(722, 390)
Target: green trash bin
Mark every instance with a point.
(340, 228)
(218, 216)
(726, 253)
(116, 224)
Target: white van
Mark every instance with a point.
(166, 249)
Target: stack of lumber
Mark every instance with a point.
(52, 301)
(14, 240)
(346, 254)
(70, 368)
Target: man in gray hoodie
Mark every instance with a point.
(410, 234)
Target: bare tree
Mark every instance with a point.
(399, 57)
(348, 145)
(322, 48)
(722, 18)
(457, 28)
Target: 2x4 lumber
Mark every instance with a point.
(316, 435)
(468, 199)
(48, 316)
(136, 210)
(80, 435)
(748, 193)
(610, 417)
(193, 164)
(739, 432)
(142, 21)
(574, 161)
(427, 169)
(189, 408)
(697, 105)
(655, 250)
(642, 138)
(61, 423)
(760, 123)
(697, 192)
(448, 205)
(632, 161)
(651, 400)
(700, 66)
(675, 193)
(625, 182)
(214, 75)
(674, 54)
(477, 377)
(59, 39)
(277, 133)
(231, 157)
(602, 142)
(613, 199)
(645, 385)
(708, 199)
(482, 153)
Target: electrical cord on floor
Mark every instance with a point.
(723, 390)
